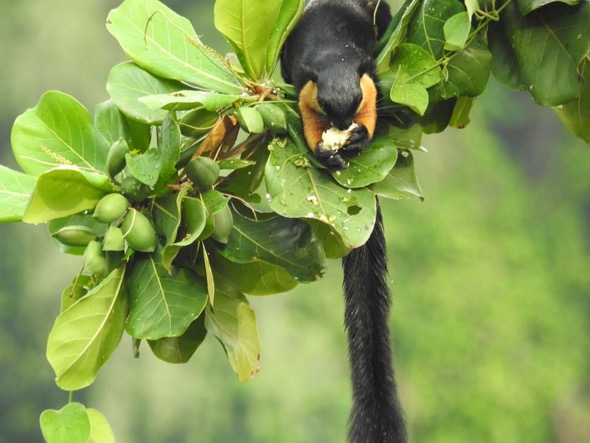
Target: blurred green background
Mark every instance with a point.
(490, 274)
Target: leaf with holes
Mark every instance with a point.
(296, 189)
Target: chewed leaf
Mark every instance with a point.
(58, 131)
(15, 191)
(165, 44)
(296, 189)
(233, 322)
(86, 334)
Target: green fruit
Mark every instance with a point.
(250, 120)
(113, 239)
(224, 222)
(116, 157)
(138, 231)
(110, 208)
(273, 117)
(74, 235)
(134, 190)
(203, 172)
(94, 260)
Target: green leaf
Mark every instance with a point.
(127, 83)
(111, 122)
(468, 71)
(548, 38)
(74, 291)
(400, 23)
(165, 44)
(456, 30)
(504, 62)
(58, 131)
(71, 424)
(167, 213)
(183, 100)
(427, 26)
(15, 192)
(401, 182)
(85, 335)
(575, 115)
(100, 430)
(162, 304)
(283, 242)
(413, 70)
(370, 166)
(256, 30)
(296, 189)
(65, 191)
(180, 349)
(234, 324)
(257, 278)
(145, 166)
(472, 7)
(169, 140)
(527, 6)
(194, 217)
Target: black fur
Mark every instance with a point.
(333, 46)
(376, 415)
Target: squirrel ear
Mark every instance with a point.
(310, 73)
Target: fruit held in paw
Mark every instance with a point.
(110, 208)
(138, 231)
(203, 172)
(334, 138)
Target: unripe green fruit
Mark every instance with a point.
(110, 208)
(116, 157)
(74, 235)
(138, 231)
(94, 260)
(224, 222)
(203, 172)
(113, 239)
(134, 190)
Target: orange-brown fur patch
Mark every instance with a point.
(367, 111)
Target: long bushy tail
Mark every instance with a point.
(376, 415)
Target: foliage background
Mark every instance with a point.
(491, 279)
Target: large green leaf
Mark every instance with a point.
(70, 424)
(180, 349)
(85, 335)
(165, 44)
(297, 189)
(111, 122)
(58, 131)
(234, 324)
(15, 191)
(575, 115)
(283, 242)
(162, 304)
(257, 278)
(127, 83)
(526, 6)
(65, 191)
(256, 30)
(401, 182)
(550, 45)
(370, 166)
